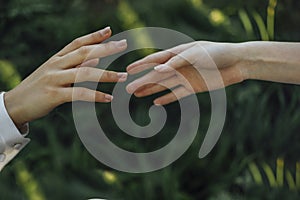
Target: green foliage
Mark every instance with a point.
(9, 77)
(262, 120)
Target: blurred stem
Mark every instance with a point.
(280, 171)
(255, 173)
(270, 175)
(290, 181)
(28, 183)
(261, 26)
(271, 18)
(298, 175)
(246, 22)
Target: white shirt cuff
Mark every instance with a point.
(11, 140)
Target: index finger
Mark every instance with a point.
(90, 39)
(157, 58)
(149, 62)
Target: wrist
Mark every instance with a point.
(247, 60)
(14, 109)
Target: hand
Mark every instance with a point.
(51, 84)
(187, 69)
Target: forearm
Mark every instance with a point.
(270, 61)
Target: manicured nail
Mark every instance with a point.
(105, 31)
(121, 44)
(157, 104)
(122, 76)
(162, 68)
(108, 98)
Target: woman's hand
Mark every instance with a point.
(187, 69)
(50, 85)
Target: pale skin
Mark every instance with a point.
(178, 68)
(51, 84)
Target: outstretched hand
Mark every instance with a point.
(186, 69)
(50, 85)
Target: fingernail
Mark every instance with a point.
(161, 68)
(108, 98)
(105, 31)
(122, 76)
(157, 104)
(122, 43)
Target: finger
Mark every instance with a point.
(90, 63)
(84, 94)
(149, 78)
(157, 58)
(83, 74)
(159, 87)
(175, 95)
(144, 87)
(90, 39)
(149, 62)
(183, 59)
(85, 53)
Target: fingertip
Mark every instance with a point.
(136, 67)
(122, 76)
(132, 70)
(129, 68)
(108, 98)
(122, 44)
(139, 66)
(163, 68)
(157, 102)
(105, 32)
(130, 89)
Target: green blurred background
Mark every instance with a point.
(257, 156)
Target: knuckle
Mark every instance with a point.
(80, 93)
(80, 74)
(53, 95)
(83, 71)
(53, 62)
(83, 51)
(49, 78)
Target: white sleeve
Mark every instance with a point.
(11, 140)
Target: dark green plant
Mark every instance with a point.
(262, 122)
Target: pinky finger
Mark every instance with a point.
(85, 94)
(175, 95)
